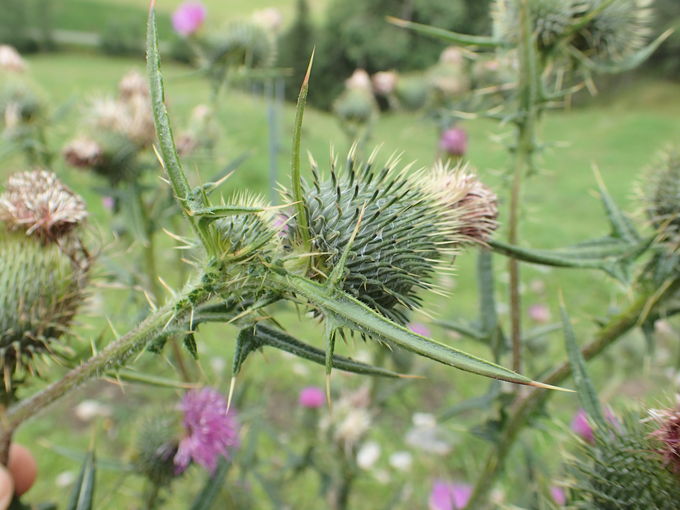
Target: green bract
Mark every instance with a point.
(41, 288)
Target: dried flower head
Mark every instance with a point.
(210, 430)
(472, 208)
(270, 19)
(83, 152)
(37, 202)
(188, 18)
(10, 60)
(133, 84)
(668, 433)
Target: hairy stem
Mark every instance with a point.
(115, 355)
(529, 79)
(534, 398)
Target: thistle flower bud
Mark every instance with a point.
(242, 44)
(412, 92)
(356, 105)
(358, 80)
(41, 288)
(10, 60)
(83, 152)
(19, 103)
(471, 207)
(622, 468)
(620, 29)
(449, 77)
(201, 133)
(37, 202)
(155, 448)
(660, 194)
(453, 141)
(402, 233)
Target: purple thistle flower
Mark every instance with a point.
(188, 18)
(453, 141)
(211, 430)
(581, 426)
(419, 329)
(312, 397)
(449, 496)
(557, 493)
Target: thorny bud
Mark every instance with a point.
(660, 193)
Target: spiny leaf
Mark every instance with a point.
(354, 314)
(622, 227)
(584, 386)
(82, 495)
(462, 327)
(447, 35)
(630, 62)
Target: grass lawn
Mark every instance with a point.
(620, 136)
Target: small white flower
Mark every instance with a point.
(87, 410)
(401, 460)
(368, 455)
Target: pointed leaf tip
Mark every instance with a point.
(544, 386)
(305, 82)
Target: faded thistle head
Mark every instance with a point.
(624, 467)
(660, 194)
(405, 230)
(43, 268)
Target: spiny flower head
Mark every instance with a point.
(109, 154)
(471, 207)
(155, 449)
(550, 19)
(83, 152)
(660, 194)
(622, 468)
(37, 202)
(10, 60)
(402, 235)
(241, 43)
(270, 19)
(615, 32)
(41, 287)
(384, 82)
(210, 430)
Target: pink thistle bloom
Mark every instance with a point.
(211, 430)
(108, 203)
(539, 313)
(420, 329)
(449, 496)
(312, 397)
(188, 18)
(557, 493)
(453, 141)
(281, 224)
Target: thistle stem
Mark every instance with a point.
(115, 355)
(534, 398)
(528, 90)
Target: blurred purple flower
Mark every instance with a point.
(582, 428)
(108, 203)
(453, 141)
(420, 329)
(312, 397)
(281, 224)
(539, 313)
(449, 496)
(188, 18)
(558, 495)
(211, 430)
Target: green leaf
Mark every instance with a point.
(355, 315)
(622, 227)
(447, 35)
(189, 342)
(212, 487)
(584, 386)
(482, 402)
(246, 343)
(82, 495)
(463, 328)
